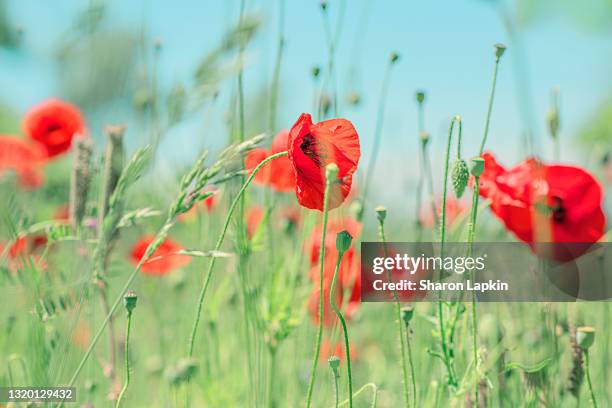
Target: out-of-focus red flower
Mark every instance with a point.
(210, 201)
(62, 212)
(348, 287)
(54, 123)
(545, 203)
(164, 260)
(328, 349)
(254, 217)
(25, 158)
(311, 148)
(278, 174)
(454, 208)
(24, 248)
(334, 226)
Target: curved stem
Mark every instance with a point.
(490, 107)
(377, 136)
(362, 389)
(344, 329)
(127, 360)
(315, 357)
(211, 264)
(398, 317)
(588, 377)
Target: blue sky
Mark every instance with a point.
(445, 48)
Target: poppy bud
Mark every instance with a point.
(553, 122)
(157, 44)
(323, 5)
(460, 175)
(129, 300)
(343, 241)
(315, 71)
(353, 98)
(334, 363)
(585, 336)
(407, 314)
(499, 50)
(331, 171)
(381, 213)
(394, 57)
(424, 138)
(420, 96)
(477, 166)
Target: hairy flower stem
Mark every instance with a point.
(377, 136)
(315, 358)
(220, 239)
(127, 359)
(446, 353)
(587, 368)
(336, 393)
(344, 329)
(473, 217)
(398, 317)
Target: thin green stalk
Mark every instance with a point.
(588, 377)
(127, 359)
(271, 372)
(330, 176)
(412, 375)
(377, 133)
(220, 239)
(344, 330)
(499, 51)
(398, 311)
(336, 393)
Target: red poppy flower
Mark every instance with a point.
(334, 226)
(279, 173)
(24, 158)
(164, 260)
(545, 203)
(23, 249)
(210, 201)
(311, 148)
(254, 217)
(62, 212)
(54, 123)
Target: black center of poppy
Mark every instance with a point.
(53, 127)
(558, 211)
(309, 148)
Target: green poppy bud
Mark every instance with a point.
(499, 50)
(381, 213)
(334, 363)
(424, 138)
(420, 96)
(407, 314)
(331, 171)
(129, 300)
(460, 175)
(394, 57)
(343, 241)
(315, 71)
(477, 166)
(585, 336)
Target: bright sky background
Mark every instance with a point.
(445, 47)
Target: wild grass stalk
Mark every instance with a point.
(381, 214)
(331, 171)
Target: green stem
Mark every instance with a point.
(315, 357)
(272, 371)
(490, 107)
(127, 360)
(413, 377)
(377, 137)
(398, 317)
(211, 264)
(588, 377)
(335, 374)
(344, 329)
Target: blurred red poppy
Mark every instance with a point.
(279, 173)
(454, 209)
(254, 217)
(545, 203)
(210, 201)
(164, 260)
(311, 148)
(62, 212)
(54, 123)
(329, 349)
(23, 157)
(334, 226)
(25, 248)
